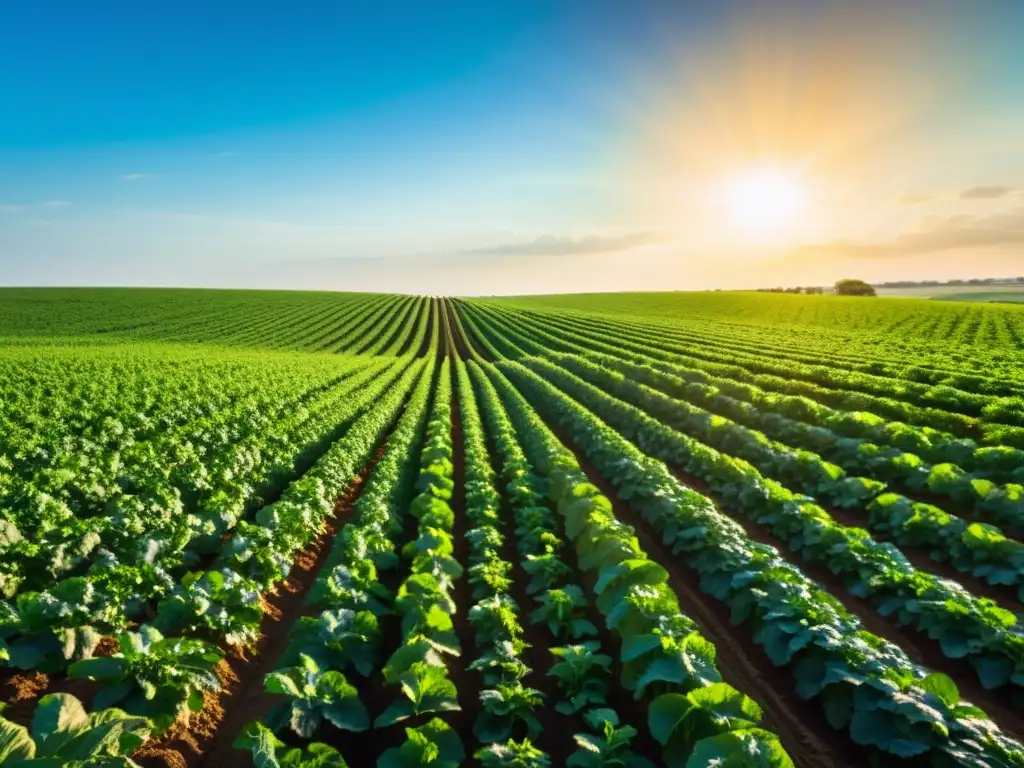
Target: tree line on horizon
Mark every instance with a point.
(844, 287)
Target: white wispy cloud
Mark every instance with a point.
(135, 176)
(557, 245)
(935, 233)
(990, 192)
(23, 207)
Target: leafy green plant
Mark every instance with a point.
(505, 707)
(268, 751)
(512, 754)
(495, 618)
(691, 727)
(609, 749)
(490, 577)
(153, 676)
(435, 743)
(354, 584)
(545, 571)
(432, 511)
(582, 675)
(45, 630)
(220, 601)
(432, 552)
(64, 735)
(501, 663)
(426, 606)
(316, 695)
(562, 610)
(484, 540)
(339, 639)
(425, 688)
(745, 747)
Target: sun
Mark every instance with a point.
(764, 198)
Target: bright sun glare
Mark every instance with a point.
(764, 198)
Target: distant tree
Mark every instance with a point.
(851, 287)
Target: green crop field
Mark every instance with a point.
(690, 529)
(998, 292)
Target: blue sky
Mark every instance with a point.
(500, 147)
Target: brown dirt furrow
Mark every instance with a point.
(461, 343)
(208, 742)
(21, 691)
(449, 338)
(998, 704)
(800, 725)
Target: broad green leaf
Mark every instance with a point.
(102, 668)
(942, 687)
(281, 683)
(750, 748)
(348, 715)
(58, 712)
(15, 743)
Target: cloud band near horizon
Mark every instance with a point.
(555, 245)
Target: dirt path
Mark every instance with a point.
(801, 725)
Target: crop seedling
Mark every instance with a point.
(512, 754)
(610, 748)
(425, 689)
(562, 610)
(502, 662)
(582, 674)
(504, 708)
(433, 744)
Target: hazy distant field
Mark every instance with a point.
(958, 292)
